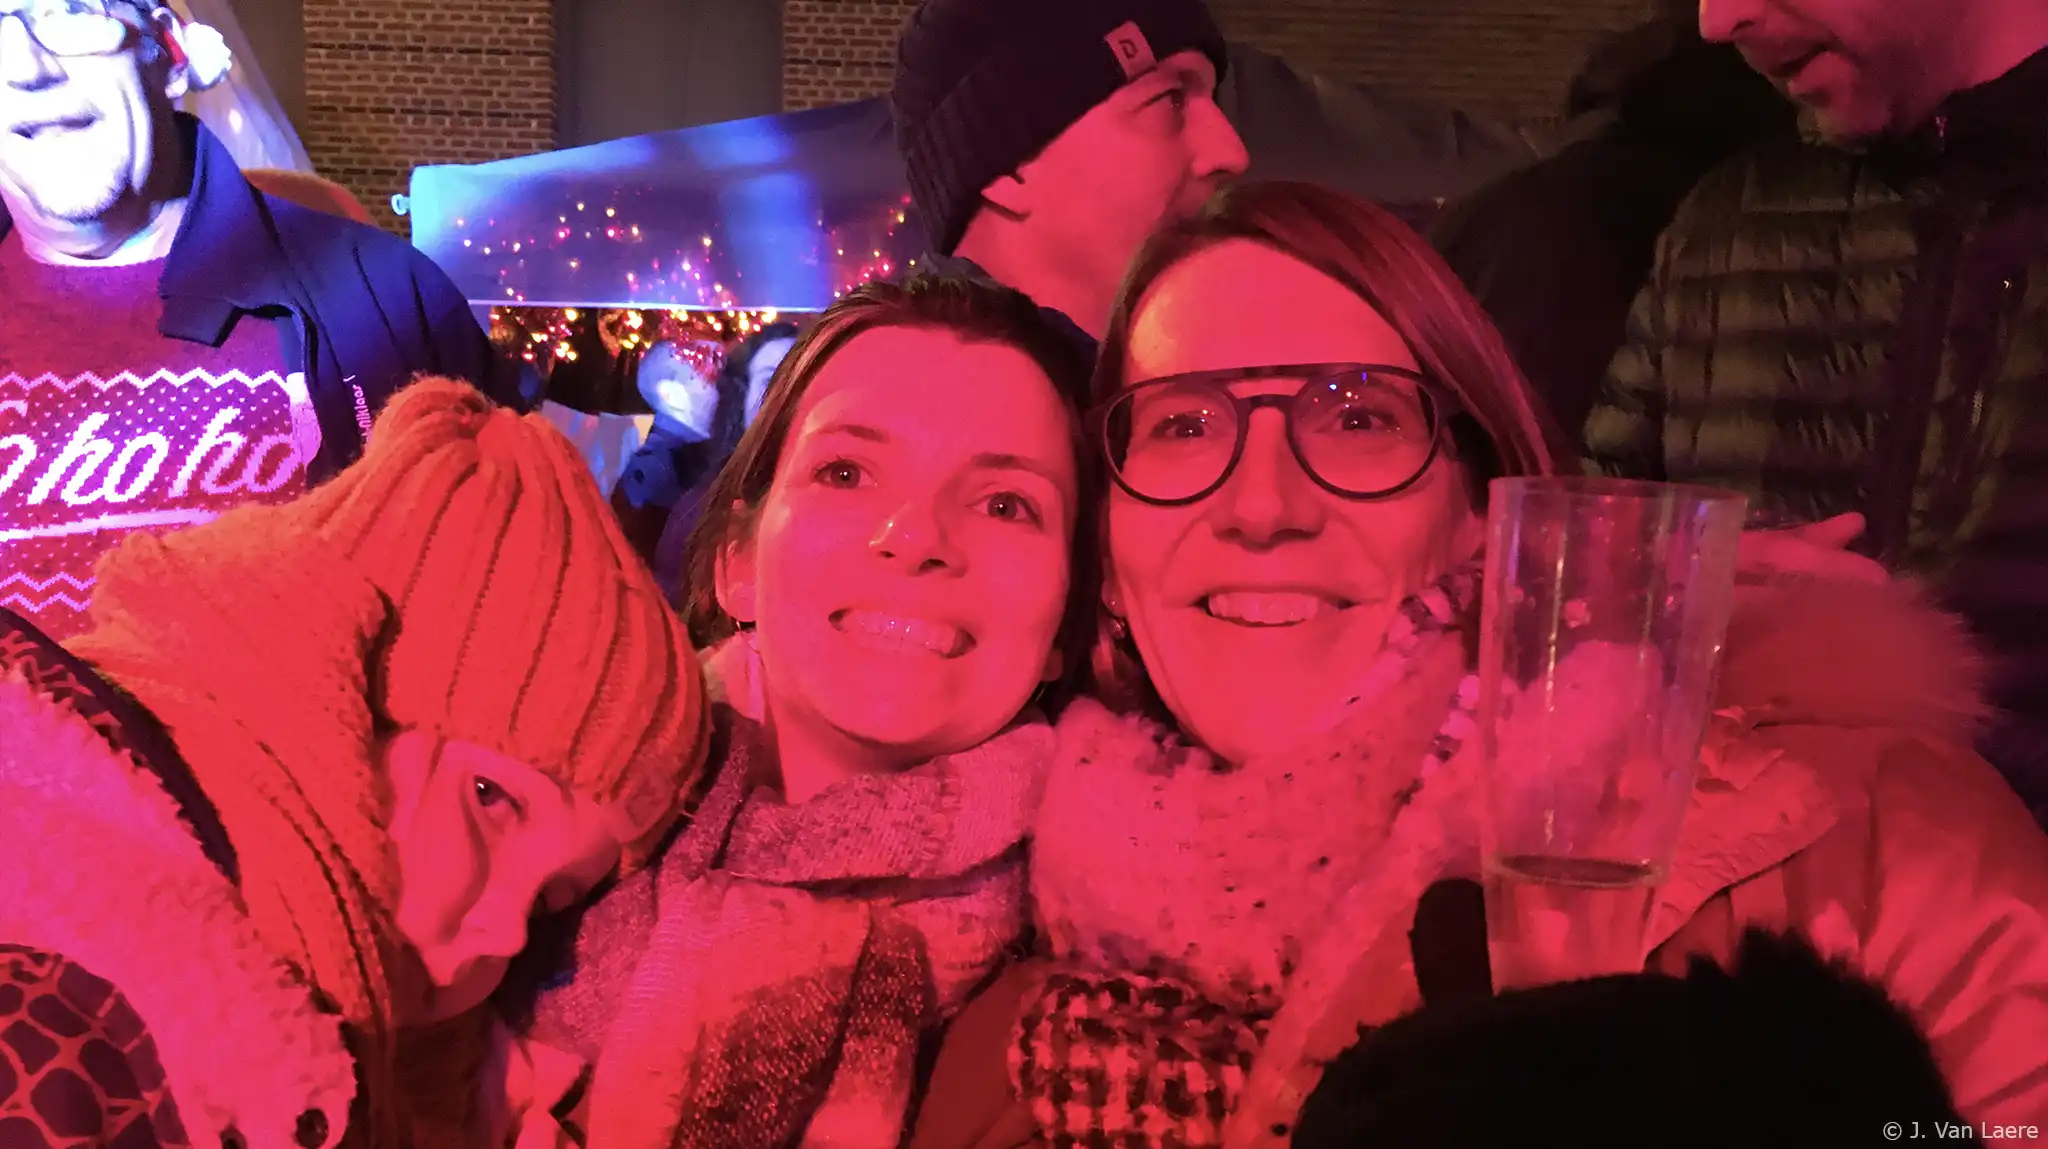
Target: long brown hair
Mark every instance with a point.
(1502, 429)
(973, 309)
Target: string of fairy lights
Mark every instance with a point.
(696, 302)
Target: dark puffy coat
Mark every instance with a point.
(1832, 331)
(1556, 251)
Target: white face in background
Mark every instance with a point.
(79, 132)
(680, 389)
(761, 371)
(1862, 68)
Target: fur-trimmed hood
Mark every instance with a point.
(1262, 886)
(1805, 652)
(102, 870)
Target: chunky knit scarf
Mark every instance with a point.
(1188, 903)
(251, 651)
(769, 983)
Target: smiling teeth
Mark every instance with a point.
(895, 633)
(1262, 608)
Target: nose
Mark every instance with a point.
(916, 538)
(24, 62)
(1269, 499)
(1721, 21)
(1219, 152)
(503, 933)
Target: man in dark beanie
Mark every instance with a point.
(1787, 1049)
(1046, 139)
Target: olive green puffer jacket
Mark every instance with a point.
(1831, 331)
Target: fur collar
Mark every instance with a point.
(103, 871)
(1810, 653)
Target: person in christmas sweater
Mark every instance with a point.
(173, 342)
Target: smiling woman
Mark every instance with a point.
(1302, 408)
(883, 575)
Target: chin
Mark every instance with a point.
(920, 724)
(474, 984)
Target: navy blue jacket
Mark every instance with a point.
(360, 311)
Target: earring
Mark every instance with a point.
(1118, 628)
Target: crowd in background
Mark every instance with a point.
(1030, 702)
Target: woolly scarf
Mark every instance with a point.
(1190, 904)
(251, 651)
(770, 982)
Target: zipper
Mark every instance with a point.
(1913, 380)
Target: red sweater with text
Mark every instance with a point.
(108, 427)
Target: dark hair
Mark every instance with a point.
(731, 421)
(973, 309)
(1789, 1042)
(1503, 428)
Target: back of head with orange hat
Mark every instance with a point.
(434, 696)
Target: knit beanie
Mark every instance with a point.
(526, 624)
(982, 86)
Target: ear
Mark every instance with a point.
(1112, 595)
(735, 575)
(1009, 195)
(1470, 540)
(178, 70)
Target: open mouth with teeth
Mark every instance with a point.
(903, 634)
(36, 129)
(1270, 609)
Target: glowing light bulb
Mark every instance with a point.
(611, 213)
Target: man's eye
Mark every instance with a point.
(490, 794)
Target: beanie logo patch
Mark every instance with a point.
(1133, 51)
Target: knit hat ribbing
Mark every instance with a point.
(526, 623)
(981, 86)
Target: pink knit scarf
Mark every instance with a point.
(797, 954)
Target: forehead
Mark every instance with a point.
(938, 394)
(1243, 304)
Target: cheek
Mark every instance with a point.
(1026, 590)
(798, 549)
(1418, 538)
(1141, 544)
(441, 872)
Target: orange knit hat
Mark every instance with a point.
(526, 622)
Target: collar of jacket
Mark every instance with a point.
(1084, 344)
(226, 257)
(1995, 131)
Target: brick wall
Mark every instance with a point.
(393, 84)
(1505, 58)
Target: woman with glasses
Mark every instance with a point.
(1301, 410)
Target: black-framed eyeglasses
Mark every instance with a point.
(1358, 430)
(73, 27)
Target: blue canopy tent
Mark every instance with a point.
(786, 212)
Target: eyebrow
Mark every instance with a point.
(856, 430)
(1003, 461)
